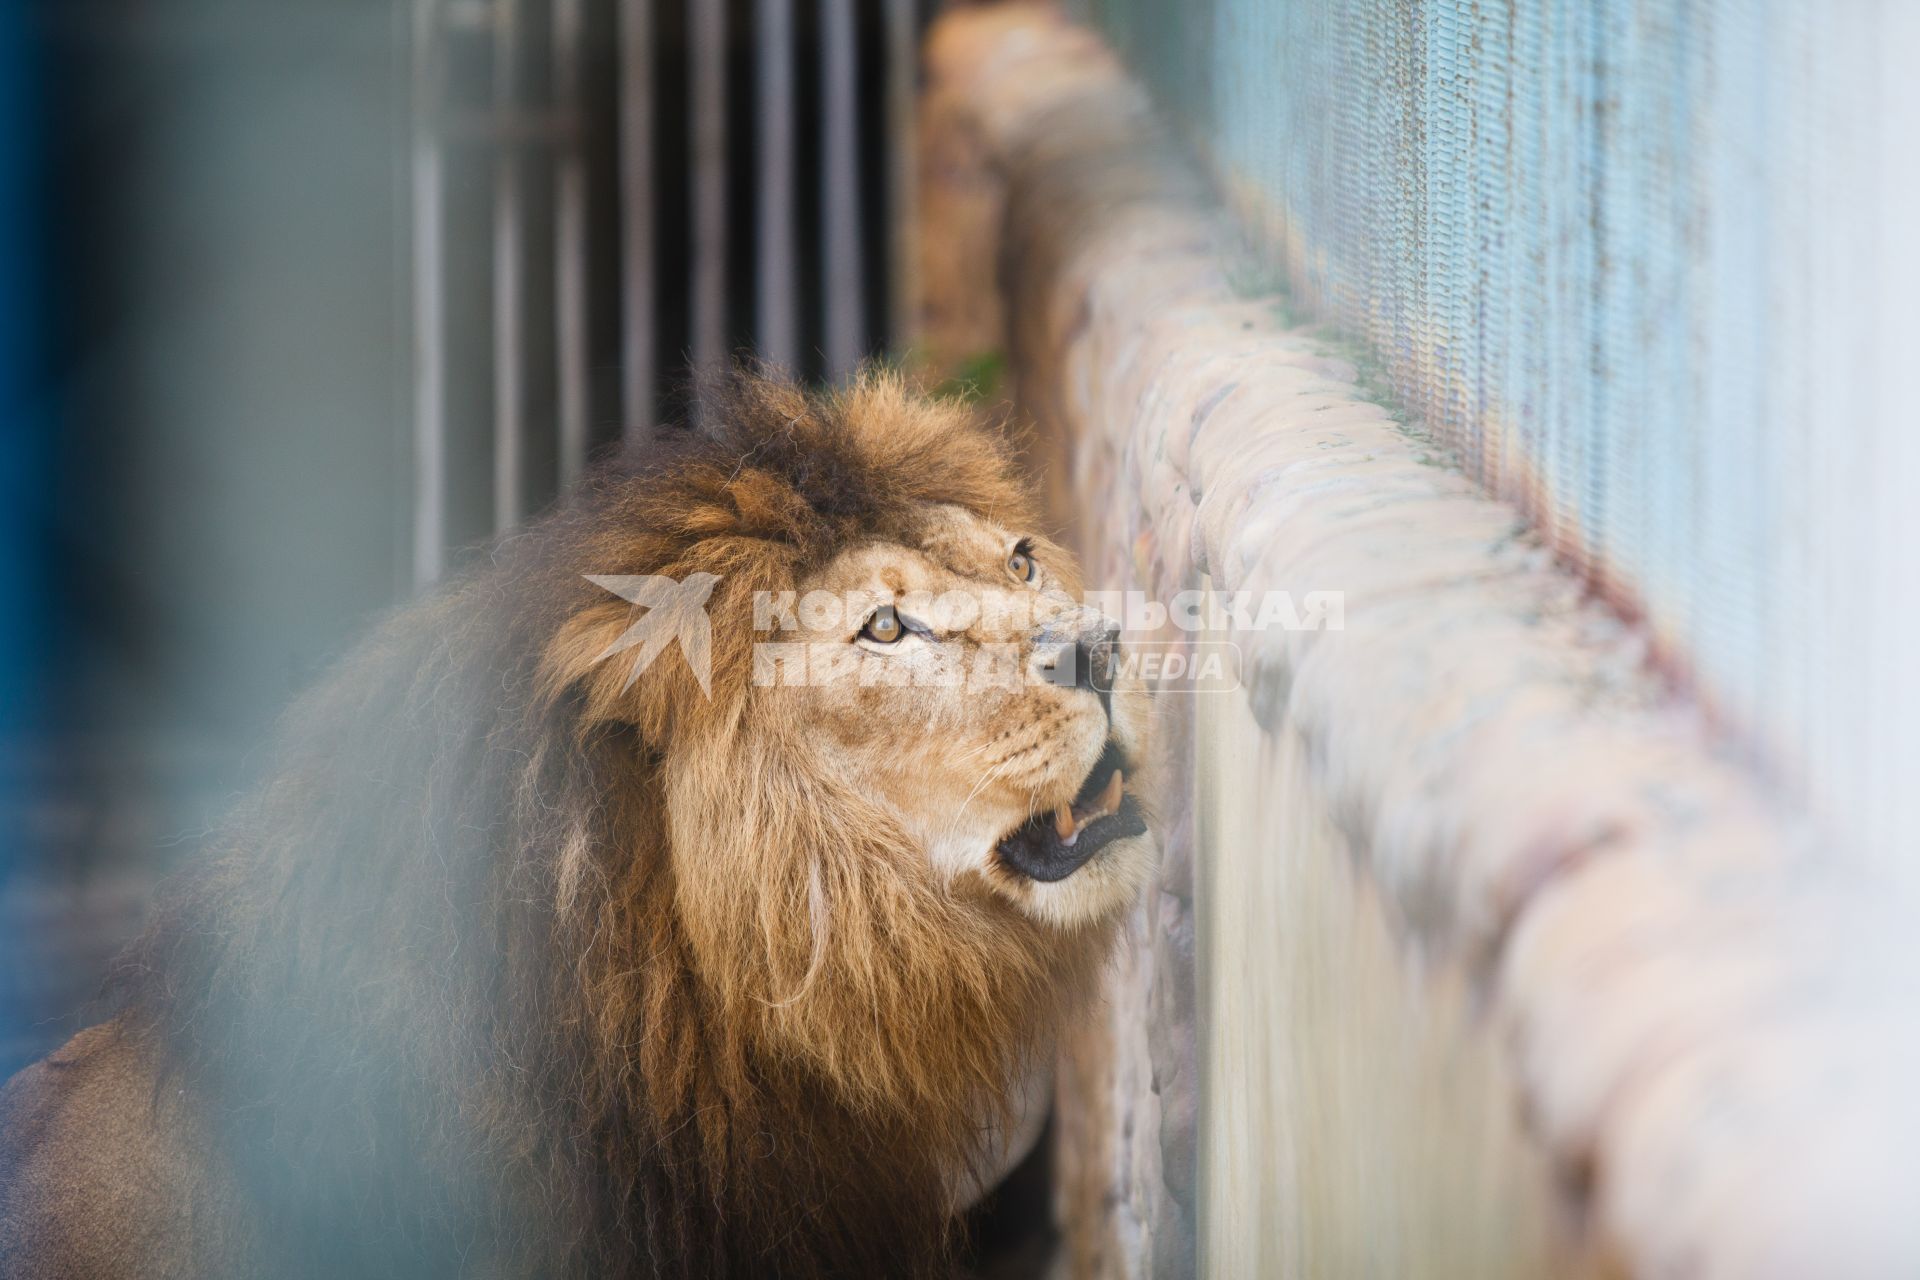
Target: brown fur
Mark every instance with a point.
(513, 968)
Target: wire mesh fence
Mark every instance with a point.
(1643, 269)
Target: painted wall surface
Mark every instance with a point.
(1647, 269)
(1474, 950)
(200, 493)
(1359, 1122)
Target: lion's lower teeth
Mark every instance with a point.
(1068, 827)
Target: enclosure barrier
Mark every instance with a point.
(616, 189)
(1471, 954)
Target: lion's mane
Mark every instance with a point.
(510, 961)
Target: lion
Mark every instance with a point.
(533, 957)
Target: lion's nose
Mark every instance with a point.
(1090, 664)
(1094, 660)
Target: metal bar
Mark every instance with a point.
(636, 215)
(570, 243)
(509, 279)
(776, 286)
(840, 188)
(903, 49)
(707, 23)
(429, 320)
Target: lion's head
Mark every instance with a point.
(671, 974)
(922, 658)
(904, 786)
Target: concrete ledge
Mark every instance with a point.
(1711, 1019)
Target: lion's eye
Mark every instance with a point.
(884, 627)
(1021, 565)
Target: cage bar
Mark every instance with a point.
(509, 276)
(841, 276)
(636, 216)
(570, 246)
(776, 287)
(429, 322)
(707, 121)
(902, 33)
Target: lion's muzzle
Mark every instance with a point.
(1052, 846)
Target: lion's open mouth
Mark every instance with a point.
(1052, 846)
